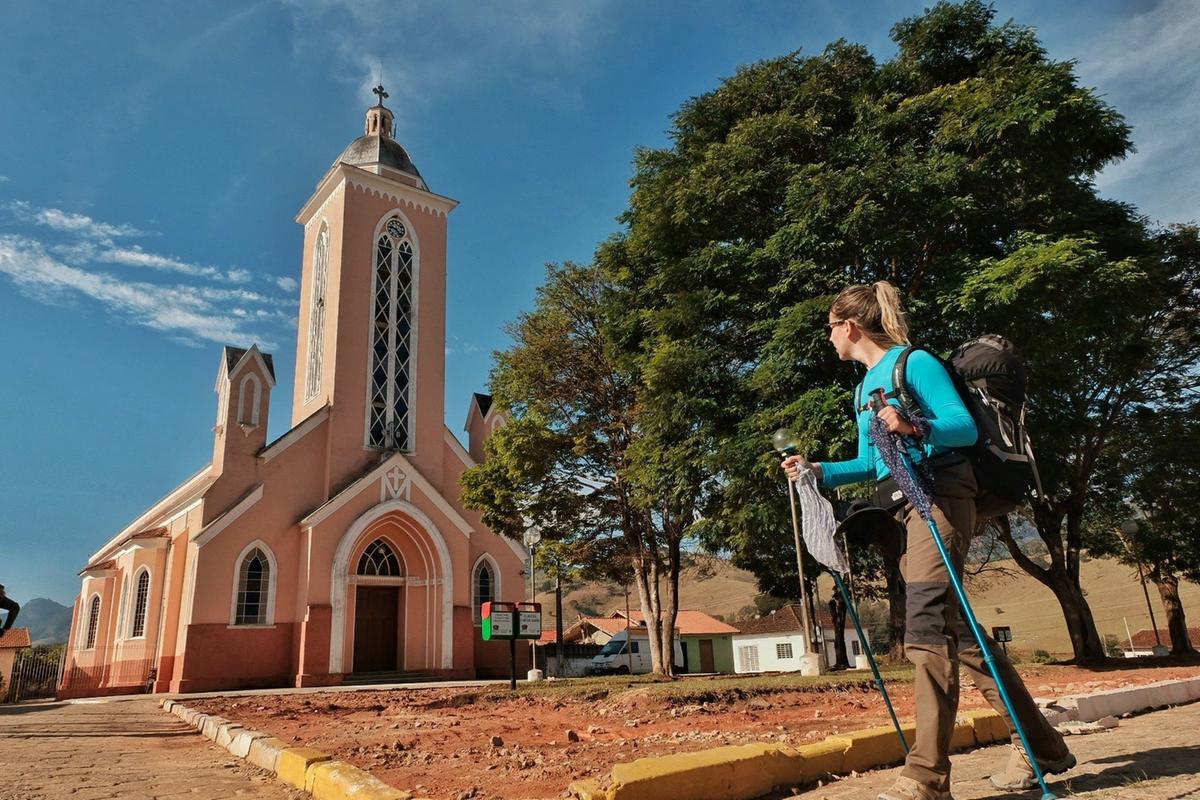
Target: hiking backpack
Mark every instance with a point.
(989, 375)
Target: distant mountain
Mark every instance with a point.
(48, 622)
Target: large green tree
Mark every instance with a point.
(562, 463)
(948, 170)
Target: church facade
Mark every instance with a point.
(340, 551)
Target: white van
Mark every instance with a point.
(616, 657)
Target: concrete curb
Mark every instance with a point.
(301, 767)
(742, 772)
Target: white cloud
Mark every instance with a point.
(3, 179)
(459, 42)
(287, 283)
(79, 224)
(182, 311)
(237, 275)
(137, 257)
(1145, 65)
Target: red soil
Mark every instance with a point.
(437, 742)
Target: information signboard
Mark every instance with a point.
(529, 620)
(497, 620)
(1002, 633)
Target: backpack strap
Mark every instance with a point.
(900, 385)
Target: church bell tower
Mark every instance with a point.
(371, 335)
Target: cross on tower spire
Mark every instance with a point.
(378, 90)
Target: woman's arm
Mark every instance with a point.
(950, 423)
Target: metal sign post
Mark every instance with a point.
(511, 621)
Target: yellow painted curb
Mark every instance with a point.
(821, 759)
(870, 748)
(586, 789)
(963, 737)
(337, 780)
(989, 726)
(294, 762)
(722, 773)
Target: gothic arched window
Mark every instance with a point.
(253, 590)
(140, 604)
(316, 315)
(379, 559)
(390, 398)
(483, 587)
(93, 622)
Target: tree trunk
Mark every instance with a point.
(1086, 644)
(558, 625)
(1062, 578)
(837, 611)
(1168, 591)
(667, 666)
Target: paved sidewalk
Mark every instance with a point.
(131, 750)
(1154, 756)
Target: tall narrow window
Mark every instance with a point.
(483, 588)
(140, 604)
(388, 424)
(254, 580)
(122, 605)
(316, 315)
(93, 622)
(379, 559)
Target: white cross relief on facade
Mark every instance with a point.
(395, 485)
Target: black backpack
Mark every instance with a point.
(989, 375)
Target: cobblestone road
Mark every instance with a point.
(130, 749)
(1154, 756)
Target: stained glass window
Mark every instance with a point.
(389, 402)
(316, 315)
(93, 622)
(139, 606)
(483, 588)
(379, 559)
(254, 581)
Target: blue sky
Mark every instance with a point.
(153, 156)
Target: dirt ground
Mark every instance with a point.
(488, 744)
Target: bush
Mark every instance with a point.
(1041, 657)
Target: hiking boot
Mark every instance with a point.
(908, 789)
(1018, 774)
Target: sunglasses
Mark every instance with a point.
(829, 326)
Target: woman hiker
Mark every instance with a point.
(867, 325)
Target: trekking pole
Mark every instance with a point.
(870, 658)
(784, 443)
(925, 508)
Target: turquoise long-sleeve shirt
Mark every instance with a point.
(951, 424)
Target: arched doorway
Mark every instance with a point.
(379, 609)
(427, 594)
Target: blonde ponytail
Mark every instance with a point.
(876, 309)
(892, 316)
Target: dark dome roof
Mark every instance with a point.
(379, 150)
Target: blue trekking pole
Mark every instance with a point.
(786, 446)
(891, 450)
(870, 657)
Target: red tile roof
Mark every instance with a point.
(787, 620)
(15, 638)
(1144, 639)
(687, 623)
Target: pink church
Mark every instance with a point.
(340, 551)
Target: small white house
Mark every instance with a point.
(774, 643)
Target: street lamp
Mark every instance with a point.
(531, 538)
(1130, 528)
